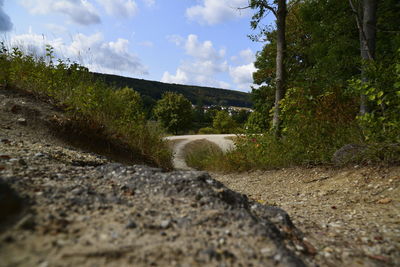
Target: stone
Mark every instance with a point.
(22, 121)
(348, 154)
(165, 224)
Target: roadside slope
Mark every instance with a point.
(350, 215)
(82, 209)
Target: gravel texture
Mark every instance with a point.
(61, 206)
(350, 215)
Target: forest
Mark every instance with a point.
(152, 91)
(328, 76)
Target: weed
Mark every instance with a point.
(87, 100)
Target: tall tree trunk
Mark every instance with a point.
(280, 67)
(367, 42)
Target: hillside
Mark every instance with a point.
(207, 95)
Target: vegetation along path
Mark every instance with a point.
(179, 142)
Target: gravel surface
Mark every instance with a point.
(350, 215)
(61, 206)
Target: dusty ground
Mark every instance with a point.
(81, 211)
(62, 206)
(350, 215)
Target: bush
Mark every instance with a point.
(87, 100)
(203, 154)
(382, 89)
(224, 123)
(208, 130)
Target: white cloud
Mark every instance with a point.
(242, 75)
(247, 56)
(179, 78)
(5, 21)
(204, 51)
(119, 8)
(78, 11)
(203, 65)
(89, 50)
(215, 11)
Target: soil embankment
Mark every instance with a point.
(64, 206)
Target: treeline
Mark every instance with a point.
(329, 75)
(152, 91)
(177, 115)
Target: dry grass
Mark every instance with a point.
(202, 154)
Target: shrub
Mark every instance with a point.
(224, 123)
(203, 154)
(208, 130)
(87, 100)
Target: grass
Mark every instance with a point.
(118, 114)
(203, 155)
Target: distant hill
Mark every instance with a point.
(196, 94)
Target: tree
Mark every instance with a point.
(223, 122)
(174, 112)
(279, 9)
(366, 23)
(128, 106)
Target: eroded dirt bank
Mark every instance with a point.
(62, 206)
(350, 215)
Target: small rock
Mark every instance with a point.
(328, 250)
(131, 225)
(268, 251)
(22, 121)
(384, 201)
(348, 153)
(165, 224)
(77, 191)
(39, 155)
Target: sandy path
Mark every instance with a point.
(182, 140)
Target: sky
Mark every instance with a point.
(193, 42)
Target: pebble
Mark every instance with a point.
(22, 121)
(165, 224)
(131, 225)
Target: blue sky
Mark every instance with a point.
(197, 42)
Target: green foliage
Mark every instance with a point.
(224, 123)
(319, 110)
(174, 112)
(155, 90)
(208, 130)
(256, 123)
(87, 100)
(382, 89)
